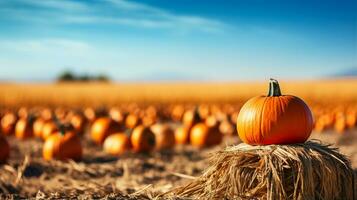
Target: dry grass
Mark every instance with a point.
(96, 94)
(300, 171)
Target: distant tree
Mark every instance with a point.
(102, 78)
(84, 78)
(66, 76)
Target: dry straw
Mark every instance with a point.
(299, 171)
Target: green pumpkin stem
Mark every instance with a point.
(274, 88)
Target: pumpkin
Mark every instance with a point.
(8, 122)
(116, 115)
(117, 144)
(226, 128)
(24, 127)
(164, 136)
(4, 149)
(351, 119)
(182, 135)
(142, 139)
(177, 112)
(102, 128)
(191, 117)
(62, 145)
(37, 127)
(78, 122)
(340, 124)
(132, 121)
(274, 119)
(203, 135)
(48, 129)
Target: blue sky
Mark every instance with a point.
(177, 40)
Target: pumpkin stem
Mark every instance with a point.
(274, 88)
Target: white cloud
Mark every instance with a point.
(115, 12)
(45, 46)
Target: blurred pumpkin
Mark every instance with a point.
(37, 127)
(226, 128)
(351, 119)
(117, 143)
(62, 145)
(102, 128)
(164, 136)
(177, 112)
(274, 119)
(142, 139)
(116, 115)
(340, 124)
(78, 122)
(182, 135)
(8, 122)
(191, 117)
(48, 129)
(4, 149)
(203, 135)
(132, 121)
(24, 127)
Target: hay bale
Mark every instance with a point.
(299, 171)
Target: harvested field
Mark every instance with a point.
(139, 176)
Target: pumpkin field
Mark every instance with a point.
(154, 140)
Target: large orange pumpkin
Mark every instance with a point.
(274, 119)
(4, 149)
(63, 145)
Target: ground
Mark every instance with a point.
(135, 176)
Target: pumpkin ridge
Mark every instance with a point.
(261, 131)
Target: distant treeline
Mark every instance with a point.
(69, 76)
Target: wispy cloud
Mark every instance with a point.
(45, 46)
(114, 12)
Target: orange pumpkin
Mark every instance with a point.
(177, 112)
(202, 135)
(182, 135)
(164, 136)
(132, 121)
(116, 115)
(340, 125)
(78, 122)
(142, 139)
(351, 119)
(191, 117)
(117, 144)
(102, 128)
(226, 128)
(24, 128)
(37, 127)
(63, 145)
(48, 129)
(8, 122)
(4, 149)
(274, 119)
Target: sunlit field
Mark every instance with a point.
(147, 170)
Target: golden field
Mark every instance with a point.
(97, 94)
